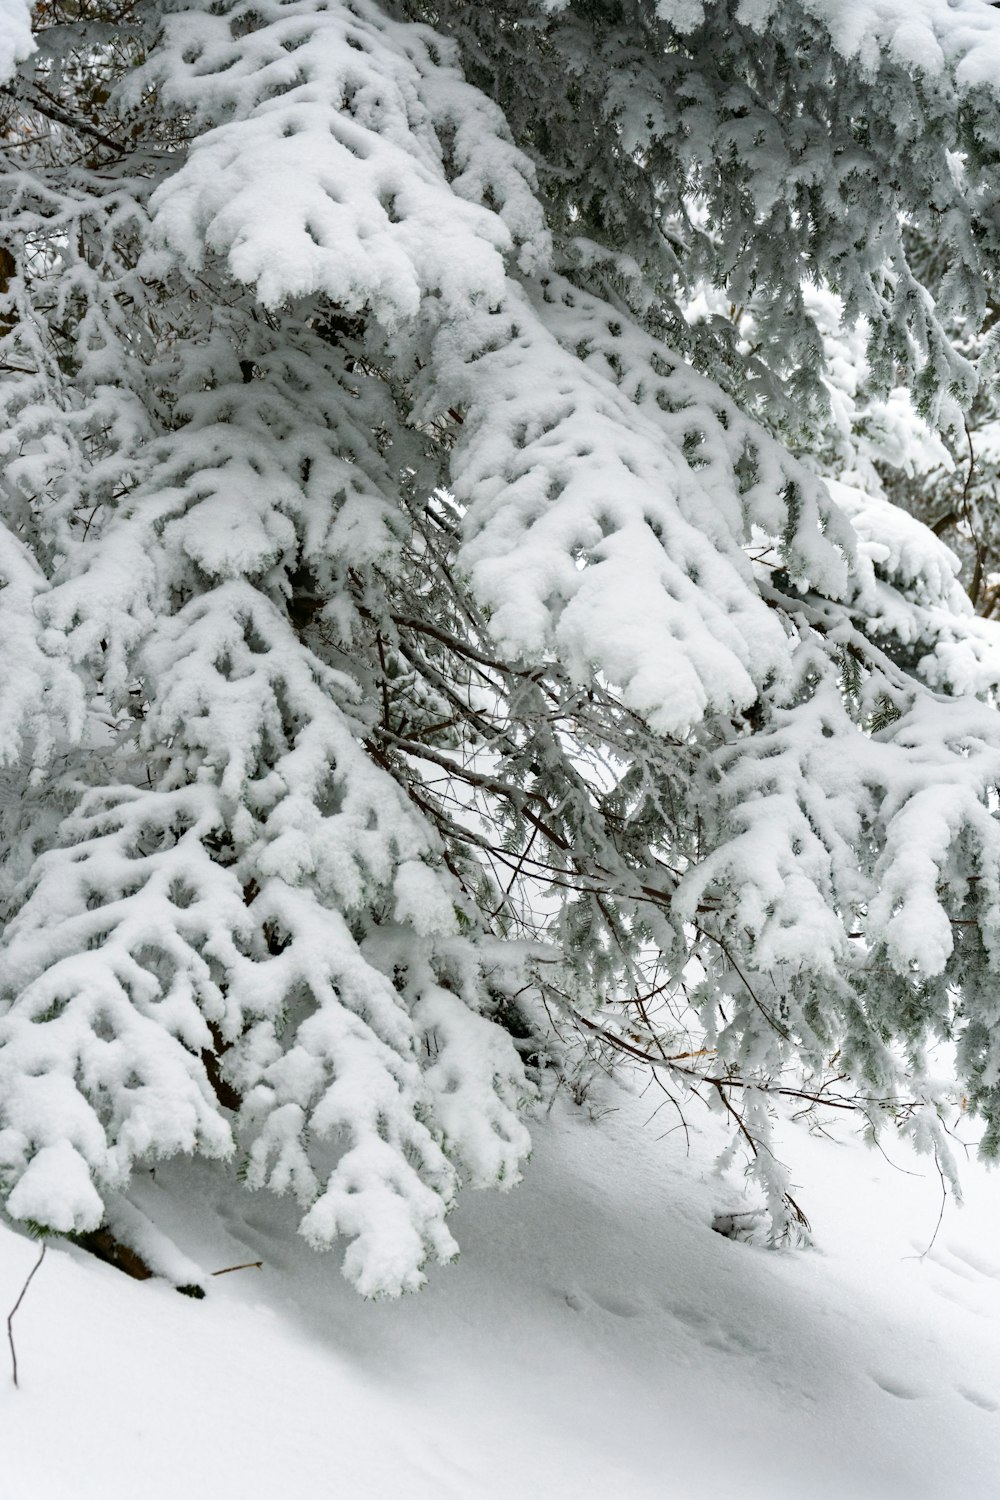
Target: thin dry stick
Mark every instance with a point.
(248, 1265)
(940, 1218)
(17, 1304)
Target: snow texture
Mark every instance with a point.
(16, 42)
(926, 36)
(604, 1306)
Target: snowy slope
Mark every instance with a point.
(596, 1339)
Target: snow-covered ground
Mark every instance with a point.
(596, 1339)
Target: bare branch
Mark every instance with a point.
(17, 1304)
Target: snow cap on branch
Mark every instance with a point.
(16, 41)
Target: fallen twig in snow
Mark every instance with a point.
(17, 1304)
(248, 1265)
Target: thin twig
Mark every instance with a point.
(247, 1265)
(17, 1304)
(965, 506)
(53, 110)
(940, 1217)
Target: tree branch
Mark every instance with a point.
(17, 1304)
(53, 110)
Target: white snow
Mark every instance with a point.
(595, 1339)
(15, 35)
(922, 35)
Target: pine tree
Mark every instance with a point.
(440, 604)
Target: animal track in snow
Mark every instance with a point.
(258, 1224)
(978, 1398)
(979, 1263)
(898, 1388)
(943, 1260)
(731, 1341)
(620, 1307)
(712, 1334)
(692, 1316)
(941, 1288)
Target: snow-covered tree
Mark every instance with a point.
(448, 587)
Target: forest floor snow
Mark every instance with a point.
(596, 1340)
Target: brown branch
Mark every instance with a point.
(518, 797)
(713, 938)
(386, 717)
(462, 648)
(730, 1081)
(52, 110)
(247, 1265)
(966, 509)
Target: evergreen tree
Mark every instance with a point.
(440, 603)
